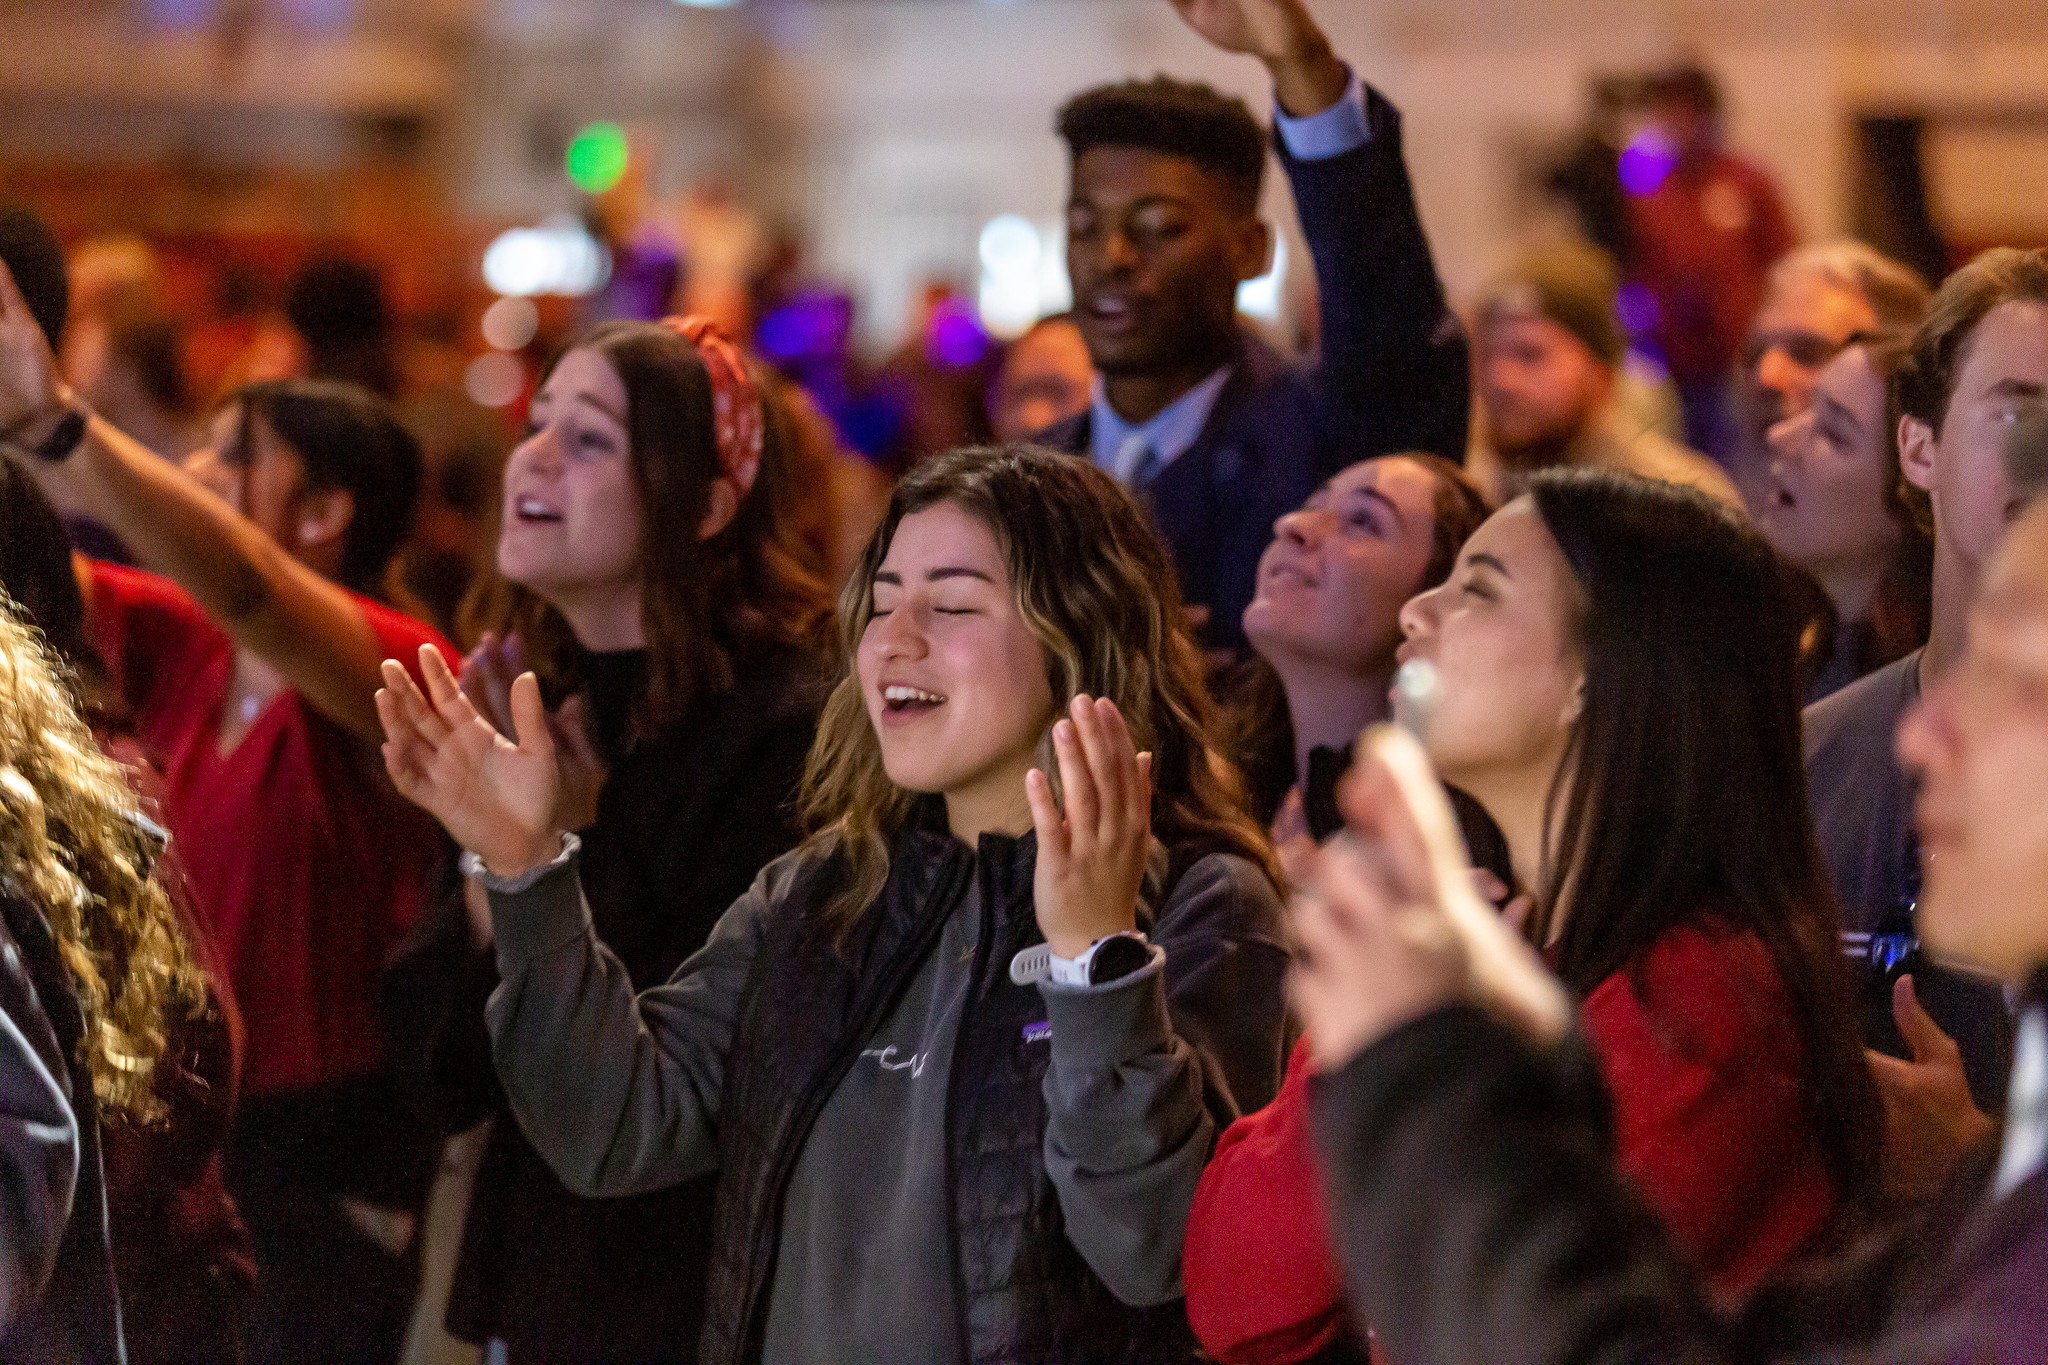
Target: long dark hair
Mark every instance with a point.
(348, 438)
(1098, 591)
(707, 605)
(1682, 796)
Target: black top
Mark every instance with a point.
(684, 822)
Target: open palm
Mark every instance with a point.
(495, 795)
(1263, 28)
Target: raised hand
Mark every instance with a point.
(1091, 858)
(495, 795)
(1282, 34)
(29, 381)
(488, 672)
(1930, 1119)
(1390, 926)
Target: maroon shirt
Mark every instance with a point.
(1705, 241)
(305, 864)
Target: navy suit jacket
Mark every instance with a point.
(1393, 375)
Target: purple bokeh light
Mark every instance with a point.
(1637, 307)
(1647, 162)
(955, 337)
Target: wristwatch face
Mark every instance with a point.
(1117, 957)
(63, 439)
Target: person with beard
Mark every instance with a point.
(1221, 435)
(1550, 354)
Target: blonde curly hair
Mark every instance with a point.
(74, 844)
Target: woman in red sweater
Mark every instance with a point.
(1617, 686)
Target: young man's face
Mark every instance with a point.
(2004, 371)
(1156, 247)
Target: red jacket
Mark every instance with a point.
(1708, 1074)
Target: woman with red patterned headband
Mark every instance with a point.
(648, 575)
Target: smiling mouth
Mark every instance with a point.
(900, 700)
(1112, 310)
(532, 510)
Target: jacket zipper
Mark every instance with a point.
(820, 1089)
(983, 947)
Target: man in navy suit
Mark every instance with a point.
(1219, 433)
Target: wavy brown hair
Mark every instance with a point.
(74, 845)
(1096, 588)
(707, 604)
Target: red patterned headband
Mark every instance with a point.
(737, 416)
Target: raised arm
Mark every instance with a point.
(1394, 367)
(309, 629)
(619, 1094)
(1148, 1068)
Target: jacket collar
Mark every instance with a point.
(1006, 864)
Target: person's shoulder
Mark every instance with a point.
(784, 683)
(1859, 721)
(1068, 436)
(1657, 456)
(401, 635)
(135, 610)
(1705, 985)
(119, 587)
(1751, 175)
(1222, 892)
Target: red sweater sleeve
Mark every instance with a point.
(1708, 1073)
(1260, 1284)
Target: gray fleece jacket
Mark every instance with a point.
(622, 1095)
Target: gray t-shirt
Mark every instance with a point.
(876, 1161)
(1862, 804)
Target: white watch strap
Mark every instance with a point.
(1040, 963)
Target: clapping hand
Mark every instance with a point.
(488, 672)
(1091, 858)
(1388, 926)
(496, 795)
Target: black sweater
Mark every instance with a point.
(685, 820)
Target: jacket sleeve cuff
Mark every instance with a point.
(1096, 1027)
(536, 912)
(1343, 127)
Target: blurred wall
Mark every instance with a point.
(889, 131)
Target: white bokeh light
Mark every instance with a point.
(494, 379)
(510, 323)
(558, 257)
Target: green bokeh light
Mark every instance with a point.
(597, 157)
